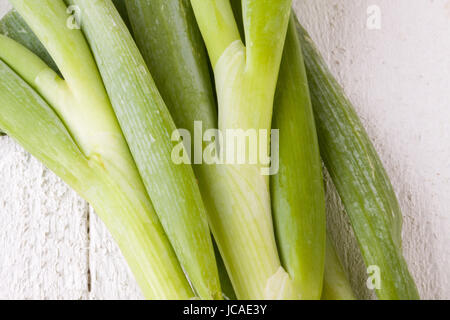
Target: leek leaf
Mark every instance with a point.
(148, 128)
(298, 197)
(359, 177)
(80, 101)
(241, 221)
(28, 119)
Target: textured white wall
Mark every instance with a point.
(53, 246)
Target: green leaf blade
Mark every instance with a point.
(298, 197)
(108, 180)
(14, 27)
(359, 177)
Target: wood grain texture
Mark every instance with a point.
(43, 231)
(52, 246)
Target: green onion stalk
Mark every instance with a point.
(90, 151)
(148, 128)
(359, 177)
(245, 80)
(298, 197)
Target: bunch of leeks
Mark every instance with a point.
(108, 120)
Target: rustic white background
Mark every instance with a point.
(52, 246)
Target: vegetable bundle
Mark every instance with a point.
(110, 103)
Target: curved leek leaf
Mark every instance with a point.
(14, 27)
(81, 102)
(359, 177)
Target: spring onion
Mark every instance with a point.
(359, 177)
(81, 101)
(298, 198)
(119, 199)
(148, 127)
(336, 285)
(14, 27)
(245, 82)
(101, 111)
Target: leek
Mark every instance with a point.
(14, 27)
(168, 37)
(336, 285)
(298, 197)
(246, 78)
(147, 127)
(115, 150)
(120, 200)
(81, 102)
(359, 177)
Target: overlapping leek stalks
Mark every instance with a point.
(148, 127)
(115, 188)
(117, 194)
(359, 177)
(297, 190)
(328, 99)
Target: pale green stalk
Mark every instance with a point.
(28, 119)
(14, 27)
(245, 81)
(80, 100)
(171, 44)
(95, 128)
(359, 177)
(121, 6)
(148, 127)
(298, 197)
